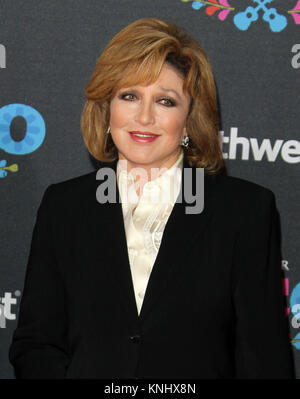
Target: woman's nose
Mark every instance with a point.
(145, 114)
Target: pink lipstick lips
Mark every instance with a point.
(143, 137)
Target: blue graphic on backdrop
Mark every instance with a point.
(242, 20)
(4, 168)
(295, 309)
(34, 136)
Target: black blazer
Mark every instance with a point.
(213, 307)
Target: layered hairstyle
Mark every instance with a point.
(136, 56)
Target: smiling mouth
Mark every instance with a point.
(140, 134)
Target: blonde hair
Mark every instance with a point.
(136, 55)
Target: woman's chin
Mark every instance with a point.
(141, 161)
(144, 158)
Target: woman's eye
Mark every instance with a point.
(127, 96)
(168, 102)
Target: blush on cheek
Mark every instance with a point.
(120, 115)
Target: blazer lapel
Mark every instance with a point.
(180, 232)
(105, 222)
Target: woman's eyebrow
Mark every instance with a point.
(135, 88)
(174, 91)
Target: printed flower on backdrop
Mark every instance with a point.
(3, 168)
(222, 14)
(213, 6)
(294, 306)
(296, 341)
(255, 10)
(295, 13)
(3, 172)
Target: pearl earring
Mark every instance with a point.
(185, 141)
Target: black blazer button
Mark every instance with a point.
(135, 339)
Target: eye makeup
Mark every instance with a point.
(168, 102)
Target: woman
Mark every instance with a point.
(138, 286)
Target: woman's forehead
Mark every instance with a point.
(168, 79)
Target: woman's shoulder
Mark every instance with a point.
(238, 184)
(236, 191)
(69, 195)
(75, 191)
(72, 186)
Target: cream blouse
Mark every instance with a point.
(145, 226)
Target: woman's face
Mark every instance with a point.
(158, 109)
